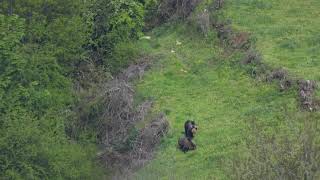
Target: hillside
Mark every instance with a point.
(101, 89)
(286, 32)
(247, 126)
(200, 82)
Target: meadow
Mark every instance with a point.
(198, 80)
(286, 32)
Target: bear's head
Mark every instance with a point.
(194, 130)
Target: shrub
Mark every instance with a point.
(289, 152)
(123, 55)
(115, 21)
(36, 93)
(203, 21)
(176, 9)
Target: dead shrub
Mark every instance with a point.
(218, 4)
(125, 163)
(224, 31)
(306, 94)
(148, 139)
(285, 84)
(135, 71)
(278, 74)
(203, 21)
(166, 10)
(307, 86)
(316, 104)
(240, 41)
(127, 148)
(119, 112)
(143, 110)
(281, 75)
(176, 8)
(251, 57)
(259, 71)
(184, 8)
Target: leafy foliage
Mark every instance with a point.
(115, 21)
(46, 47)
(36, 54)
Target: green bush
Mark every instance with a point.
(123, 55)
(47, 48)
(36, 95)
(116, 21)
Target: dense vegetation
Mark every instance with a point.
(57, 55)
(46, 48)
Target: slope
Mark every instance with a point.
(286, 32)
(198, 80)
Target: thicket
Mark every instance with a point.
(52, 55)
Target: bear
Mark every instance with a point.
(190, 129)
(185, 144)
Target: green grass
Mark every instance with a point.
(287, 32)
(198, 81)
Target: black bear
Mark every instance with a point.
(185, 144)
(190, 129)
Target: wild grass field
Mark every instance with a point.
(287, 32)
(197, 80)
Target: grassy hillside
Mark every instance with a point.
(287, 32)
(197, 80)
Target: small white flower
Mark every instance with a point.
(146, 37)
(182, 70)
